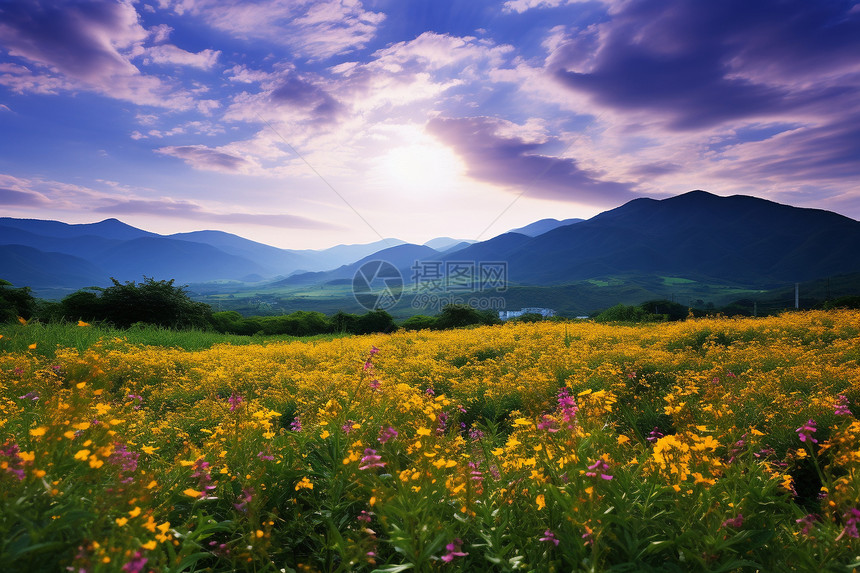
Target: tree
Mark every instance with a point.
(150, 302)
(419, 322)
(623, 313)
(458, 315)
(15, 302)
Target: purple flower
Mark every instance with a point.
(807, 522)
(244, 499)
(550, 537)
(364, 517)
(737, 449)
(430, 392)
(374, 384)
(234, 401)
(266, 457)
(735, 522)
(840, 408)
(136, 565)
(296, 424)
(386, 434)
(124, 459)
(10, 451)
(371, 460)
(655, 435)
(453, 549)
(599, 467)
(805, 432)
(347, 427)
(29, 396)
(203, 477)
(852, 518)
(374, 351)
(547, 423)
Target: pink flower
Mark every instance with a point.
(547, 423)
(371, 460)
(599, 467)
(374, 385)
(374, 351)
(852, 518)
(567, 407)
(296, 424)
(137, 563)
(266, 457)
(735, 522)
(386, 434)
(805, 432)
(234, 401)
(453, 549)
(347, 427)
(550, 537)
(655, 435)
(807, 522)
(840, 408)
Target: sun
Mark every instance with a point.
(418, 169)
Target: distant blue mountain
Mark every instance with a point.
(738, 239)
(544, 226)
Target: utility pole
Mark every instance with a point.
(796, 295)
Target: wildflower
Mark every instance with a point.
(567, 407)
(599, 467)
(296, 425)
(374, 351)
(547, 423)
(244, 499)
(852, 518)
(29, 396)
(805, 432)
(370, 460)
(82, 323)
(840, 408)
(305, 483)
(10, 451)
(550, 537)
(655, 435)
(347, 427)
(807, 522)
(475, 434)
(441, 422)
(234, 401)
(203, 477)
(737, 449)
(374, 385)
(735, 522)
(137, 563)
(264, 456)
(386, 434)
(430, 392)
(453, 549)
(364, 517)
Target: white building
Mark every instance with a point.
(544, 312)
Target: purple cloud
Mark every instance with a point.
(21, 198)
(700, 64)
(207, 158)
(189, 210)
(516, 163)
(294, 91)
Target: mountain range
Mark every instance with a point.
(698, 236)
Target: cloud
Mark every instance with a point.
(515, 163)
(207, 158)
(13, 197)
(89, 46)
(521, 6)
(697, 65)
(170, 54)
(314, 29)
(193, 211)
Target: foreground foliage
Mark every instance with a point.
(708, 445)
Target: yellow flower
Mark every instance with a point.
(324, 434)
(541, 502)
(82, 323)
(148, 450)
(40, 431)
(134, 512)
(150, 545)
(121, 521)
(305, 483)
(32, 346)
(192, 492)
(82, 454)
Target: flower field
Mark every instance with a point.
(706, 445)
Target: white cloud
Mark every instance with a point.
(170, 54)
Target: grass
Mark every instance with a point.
(49, 337)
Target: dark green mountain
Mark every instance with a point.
(697, 235)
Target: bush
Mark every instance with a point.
(150, 302)
(15, 302)
(419, 322)
(623, 313)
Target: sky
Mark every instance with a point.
(305, 124)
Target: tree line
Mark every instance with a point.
(162, 303)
